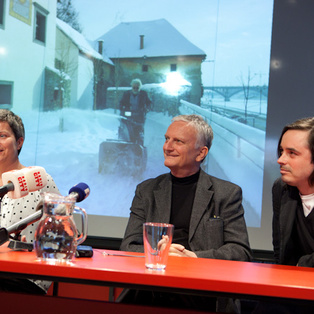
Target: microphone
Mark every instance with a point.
(18, 183)
(79, 191)
(21, 224)
(36, 177)
(15, 184)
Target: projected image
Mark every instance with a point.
(82, 121)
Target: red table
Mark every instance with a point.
(202, 276)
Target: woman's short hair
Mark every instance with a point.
(15, 123)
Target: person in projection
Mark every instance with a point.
(134, 105)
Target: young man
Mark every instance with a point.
(206, 211)
(293, 196)
(293, 202)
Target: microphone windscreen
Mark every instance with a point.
(17, 178)
(36, 177)
(82, 190)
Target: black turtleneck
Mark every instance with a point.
(183, 193)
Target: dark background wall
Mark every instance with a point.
(291, 90)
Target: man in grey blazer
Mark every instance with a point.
(215, 225)
(206, 211)
(216, 230)
(293, 196)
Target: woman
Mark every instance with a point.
(12, 135)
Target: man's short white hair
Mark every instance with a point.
(205, 134)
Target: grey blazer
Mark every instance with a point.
(286, 201)
(217, 225)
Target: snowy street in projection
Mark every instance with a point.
(72, 156)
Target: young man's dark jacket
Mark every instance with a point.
(286, 203)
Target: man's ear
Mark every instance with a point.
(202, 154)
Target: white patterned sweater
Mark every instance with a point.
(13, 210)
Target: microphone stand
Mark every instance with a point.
(17, 228)
(19, 245)
(14, 244)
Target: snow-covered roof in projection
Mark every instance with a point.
(80, 41)
(160, 39)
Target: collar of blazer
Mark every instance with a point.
(203, 196)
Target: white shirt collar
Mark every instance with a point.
(307, 203)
